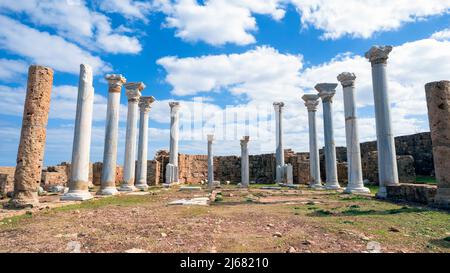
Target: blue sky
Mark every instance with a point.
(219, 58)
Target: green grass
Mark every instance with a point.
(426, 179)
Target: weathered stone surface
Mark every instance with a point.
(30, 154)
(417, 193)
(438, 101)
(405, 165)
(97, 173)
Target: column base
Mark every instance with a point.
(108, 191)
(127, 188)
(382, 193)
(142, 187)
(23, 200)
(333, 187)
(442, 199)
(317, 187)
(356, 190)
(76, 196)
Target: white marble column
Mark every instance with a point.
(172, 167)
(108, 181)
(326, 93)
(387, 159)
(145, 104)
(311, 103)
(278, 106)
(245, 166)
(210, 162)
(355, 176)
(133, 92)
(79, 174)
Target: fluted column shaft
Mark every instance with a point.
(278, 106)
(387, 159)
(144, 107)
(245, 167)
(79, 168)
(355, 176)
(108, 181)
(210, 162)
(129, 168)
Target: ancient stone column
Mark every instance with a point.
(278, 106)
(387, 160)
(133, 92)
(108, 181)
(172, 167)
(30, 154)
(245, 166)
(355, 177)
(311, 103)
(145, 104)
(438, 100)
(326, 93)
(210, 162)
(79, 173)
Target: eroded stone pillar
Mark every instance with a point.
(133, 91)
(387, 160)
(210, 162)
(172, 167)
(311, 103)
(79, 174)
(326, 93)
(438, 100)
(245, 167)
(145, 105)
(355, 176)
(30, 155)
(278, 106)
(108, 182)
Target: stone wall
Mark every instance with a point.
(97, 168)
(417, 193)
(405, 167)
(6, 180)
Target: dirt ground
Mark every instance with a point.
(237, 220)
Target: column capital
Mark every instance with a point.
(311, 102)
(174, 106)
(145, 103)
(326, 91)
(210, 138)
(278, 105)
(133, 91)
(347, 79)
(115, 82)
(378, 54)
(245, 140)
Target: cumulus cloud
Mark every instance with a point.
(217, 22)
(442, 35)
(74, 21)
(12, 70)
(128, 8)
(363, 18)
(46, 49)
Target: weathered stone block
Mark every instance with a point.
(417, 193)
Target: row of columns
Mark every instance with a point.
(385, 139)
(78, 183)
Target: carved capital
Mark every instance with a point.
(326, 91)
(378, 54)
(133, 91)
(347, 79)
(145, 103)
(311, 102)
(115, 82)
(245, 140)
(210, 138)
(278, 106)
(174, 107)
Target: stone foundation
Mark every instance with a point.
(416, 193)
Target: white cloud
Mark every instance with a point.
(128, 8)
(363, 18)
(75, 22)
(45, 49)
(12, 70)
(217, 22)
(442, 35)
